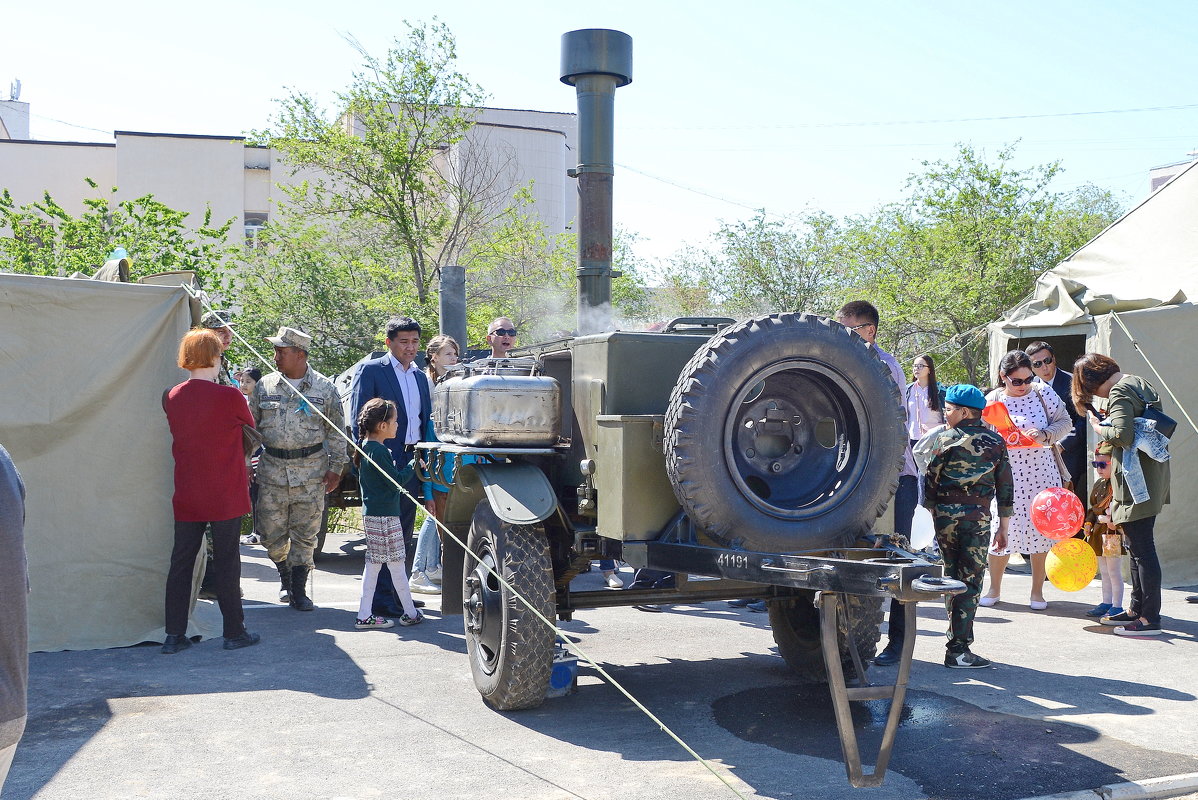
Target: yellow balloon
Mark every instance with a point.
(1071, 565)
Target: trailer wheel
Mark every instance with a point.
(795, 623)
(510, 649)
(785, 433)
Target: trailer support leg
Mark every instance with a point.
(831, 606)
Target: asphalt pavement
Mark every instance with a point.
(320, 710)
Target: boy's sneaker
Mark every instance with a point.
(405, 620)
(434, 575)
(1117, 616)
(422, 584)
(1100, 610)
(966, 660)
(372, 622)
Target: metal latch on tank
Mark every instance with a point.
(586, 492)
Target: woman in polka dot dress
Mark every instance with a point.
(1040, 415)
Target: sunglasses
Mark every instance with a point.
(1019, 381)
(1099, 464)
(504, 332)
(1043, 363)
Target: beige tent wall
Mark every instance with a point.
(1163, 335)
(82, 368)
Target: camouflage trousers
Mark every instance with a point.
(289, 521)
(963, 544)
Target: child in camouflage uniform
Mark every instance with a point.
(968, 472)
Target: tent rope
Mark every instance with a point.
(1155, 371)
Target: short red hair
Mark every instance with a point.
(199, 349)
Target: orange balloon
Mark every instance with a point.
(1057, 513)
(1071, 565)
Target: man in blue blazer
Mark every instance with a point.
(396, 377)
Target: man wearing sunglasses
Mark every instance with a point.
(501, 335)
(1073, 446)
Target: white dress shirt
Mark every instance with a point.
(410, 390)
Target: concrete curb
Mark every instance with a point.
(1168, 786)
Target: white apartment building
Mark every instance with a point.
(193, 172)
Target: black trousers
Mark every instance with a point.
(225, 566)
(906, 497)
(1145, 570)
(384, 591)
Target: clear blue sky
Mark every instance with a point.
(787, 106)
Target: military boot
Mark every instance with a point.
(284, 581)
(299, 589)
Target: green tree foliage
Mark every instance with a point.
(967, 243)
(760, 266)
(43, 238)
(381, 157)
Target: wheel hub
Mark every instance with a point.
(484, 611)
(792, 438)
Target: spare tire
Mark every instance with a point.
(785, 433)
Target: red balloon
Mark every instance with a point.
(1057, 513)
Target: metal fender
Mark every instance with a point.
(519, 493)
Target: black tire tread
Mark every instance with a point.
(521, 678)
(795, 625)
(688, 465)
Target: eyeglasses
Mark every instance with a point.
(504, 332)
(1099, 464)
(1044, 363)
(1019, 381)
(919, 366)
(862, 325)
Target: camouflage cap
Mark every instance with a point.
(216, 319)
(291, 337)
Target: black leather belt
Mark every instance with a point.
(301, 452)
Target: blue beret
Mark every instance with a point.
(965, 394)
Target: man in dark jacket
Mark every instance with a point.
(396, 377)
(1073, 447)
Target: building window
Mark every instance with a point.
(254, 223)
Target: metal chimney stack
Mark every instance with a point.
(596, 62)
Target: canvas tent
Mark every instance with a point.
(82, 368)
(1143, 269)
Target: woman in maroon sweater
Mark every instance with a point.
(211, 487)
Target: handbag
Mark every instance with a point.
(1066, 478)
(1165, 424)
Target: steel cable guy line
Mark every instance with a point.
(1155, 372)
(561, 635)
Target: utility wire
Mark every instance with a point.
(940, 121)
(561, 635)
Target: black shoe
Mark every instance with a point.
(299, 589)
(206, 593)
(1192, 598)
(741, 603)
(246, 639)
(888, 657)
(966, 660)
(417, 603)
(656, 609)
(173, 644)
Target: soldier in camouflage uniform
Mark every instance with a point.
(218, 322)
(969, 470)
(303, 459)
